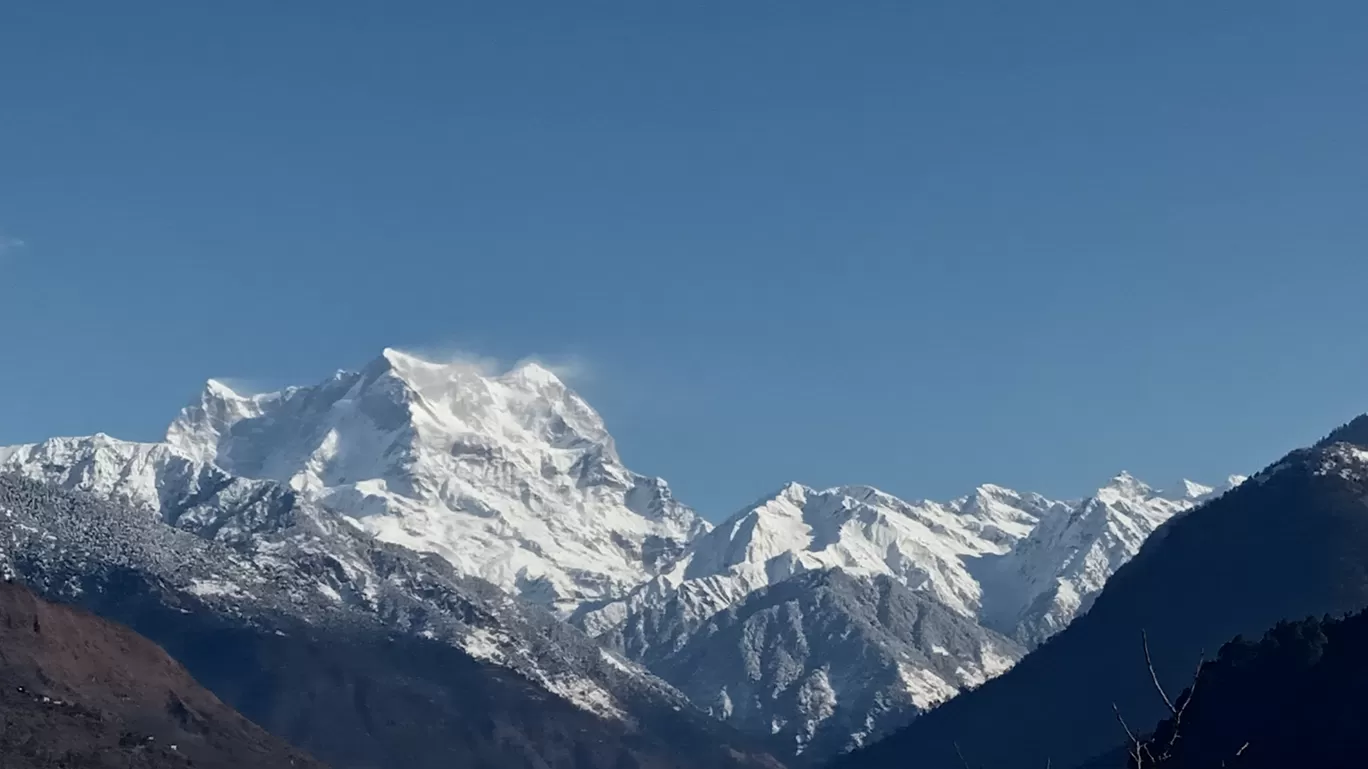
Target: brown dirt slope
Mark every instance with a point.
(77, 691)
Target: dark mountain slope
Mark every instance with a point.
(1291, 542)
(77, 691)
(1295, 698)
(373, 699)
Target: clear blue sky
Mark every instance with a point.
(920, 245)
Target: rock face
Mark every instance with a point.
(77, 691)
(1286, 544)
(441, 501)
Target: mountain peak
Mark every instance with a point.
(535, 374)
(1185, 489)
(219, 389)
(1125, 484)
(511, 477)
(421, 373)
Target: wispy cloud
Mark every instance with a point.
(569, 368)
(9, 244)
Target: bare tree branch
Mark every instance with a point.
(960, 753)
(1149, 663)
(1136, 750)
(1142, 751)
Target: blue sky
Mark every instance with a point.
(915, 245)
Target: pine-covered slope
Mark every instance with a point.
(1290, 542)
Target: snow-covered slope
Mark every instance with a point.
(829, 661)
(1046, 580)
(925, 546)
(511, 478)
(1020, 563)
(256, 546)
(998, 561)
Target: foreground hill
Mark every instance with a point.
(77, 691)
(1293, 698)
(1290, 542)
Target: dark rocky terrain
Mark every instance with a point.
(78, 691)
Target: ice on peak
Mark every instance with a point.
(219, 389)
(534, 374)
(399, 358)
(994, 490)
(511, 477)
(1127, 484)
(1186, 489)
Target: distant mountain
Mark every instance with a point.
(1288, 543)
(996, 562)
(362, 652)
(77, 691)
(439, 500)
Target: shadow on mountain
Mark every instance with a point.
(363, 698)
(79, 692)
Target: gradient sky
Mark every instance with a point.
(918, 245)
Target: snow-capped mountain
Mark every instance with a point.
(989, 556)
(511, 478)
(999, 560)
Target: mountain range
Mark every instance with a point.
(490, 517)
